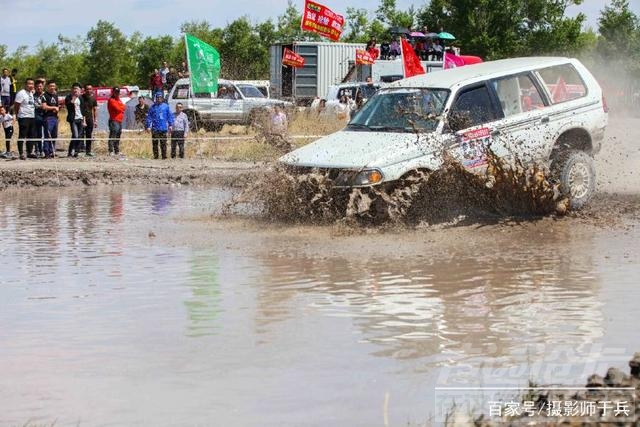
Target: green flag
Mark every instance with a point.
(204, 65)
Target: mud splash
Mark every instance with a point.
(450, 194)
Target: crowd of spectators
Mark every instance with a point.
(427, 46)
(34, 110)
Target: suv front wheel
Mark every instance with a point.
(577, 176)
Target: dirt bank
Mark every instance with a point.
(65, 172)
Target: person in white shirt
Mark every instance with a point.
(179, 131)
(25, 110)
(7, 124)
(5, 89)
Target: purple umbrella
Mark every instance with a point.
(417, 34)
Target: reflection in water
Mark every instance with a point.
(203, 308)
(508, 303)
(103, 324)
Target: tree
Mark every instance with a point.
(108, 61)
(619, 29)
(501, 28)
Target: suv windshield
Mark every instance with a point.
(250, 91)
(401, 110)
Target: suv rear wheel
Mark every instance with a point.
(577, 176)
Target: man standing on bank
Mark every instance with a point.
(89, 107)
(180, 131)
(159, 122)
(74, 103)
(24, 107)
(116, 109)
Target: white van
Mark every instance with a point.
(532, 109)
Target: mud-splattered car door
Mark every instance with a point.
(525, 125)
(472, 125)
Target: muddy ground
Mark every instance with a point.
(63, 172)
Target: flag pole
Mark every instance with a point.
(186, 50)
(191, 95)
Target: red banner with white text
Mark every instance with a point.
(292, 59)
(363, 57)
(320, 19)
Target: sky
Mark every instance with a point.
(158, 17)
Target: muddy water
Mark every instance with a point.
(135, 307)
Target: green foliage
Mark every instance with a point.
(502, 28)
(108, 60)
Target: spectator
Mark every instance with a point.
(38, 99)
(437, 50)
(14, 86)
(25, 111)
(172, 78)
(164, 71)
(51, 109)
(7, 125)
(394, 49)
(73, 102)
(116, 115)
(343, 109)
(385, 50)
(5, 89)
(142, 109)
(179, 132)
(89, 111)
(183, 70)
(225, 93)
(155, 83)
(159, 122)
(372, 48)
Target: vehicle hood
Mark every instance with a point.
(355, 149)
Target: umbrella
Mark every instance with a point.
(417, 34)
(398, 30)
(431, 35)
(446, 36)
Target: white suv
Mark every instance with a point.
(532, 109)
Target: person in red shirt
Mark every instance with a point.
(116, 113)
(372, 49)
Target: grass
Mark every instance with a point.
(233, 143)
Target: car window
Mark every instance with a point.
(401, 110)
(472, 107)
(348, 91)
(517, 94)
(563, 83)
(250, 91)
(181, 92)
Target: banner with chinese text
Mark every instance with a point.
(292, 59)
(363, 57)
(321, 20)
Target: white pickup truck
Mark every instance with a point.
(241, 104)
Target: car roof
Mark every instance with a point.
(477, 72)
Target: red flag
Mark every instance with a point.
(411, 62)
(322, 20)
(292, 59)
(364, 57)
(452, 61)
(470, 59)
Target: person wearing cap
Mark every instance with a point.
(159, 122)
(116, 109)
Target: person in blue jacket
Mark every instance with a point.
(159, 123)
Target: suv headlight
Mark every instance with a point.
(359, 178)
